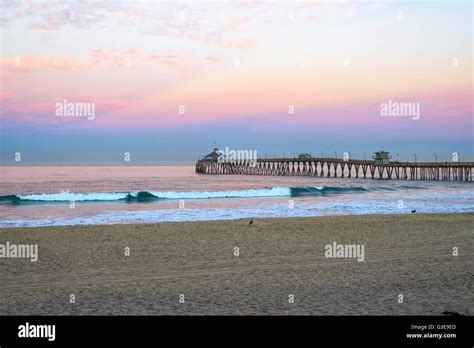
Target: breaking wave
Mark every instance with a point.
(144, 196)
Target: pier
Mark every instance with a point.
(340, 168)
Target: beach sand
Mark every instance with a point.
(409, 255)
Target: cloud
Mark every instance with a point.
(109, 58)
(5, 95)
(34, 63)
(212, 59)
(43, 113)
(179, 21)
(54, 16)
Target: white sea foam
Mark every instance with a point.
(67, 196)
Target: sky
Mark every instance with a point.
(168, 81)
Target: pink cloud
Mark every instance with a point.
(5, 95)
(43, 113)
(212, 59)
(98, 57)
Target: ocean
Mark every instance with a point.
(83, 195)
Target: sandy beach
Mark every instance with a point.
(409, 255)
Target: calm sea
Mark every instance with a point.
(59, 196)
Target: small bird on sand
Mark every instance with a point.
(413, 211)
(250, 222)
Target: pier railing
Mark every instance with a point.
(340, 168)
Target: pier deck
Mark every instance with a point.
(335, 167)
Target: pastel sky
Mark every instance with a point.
(236, 68)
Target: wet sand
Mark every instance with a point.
(409, 255)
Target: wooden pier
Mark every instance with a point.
(339, 168)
